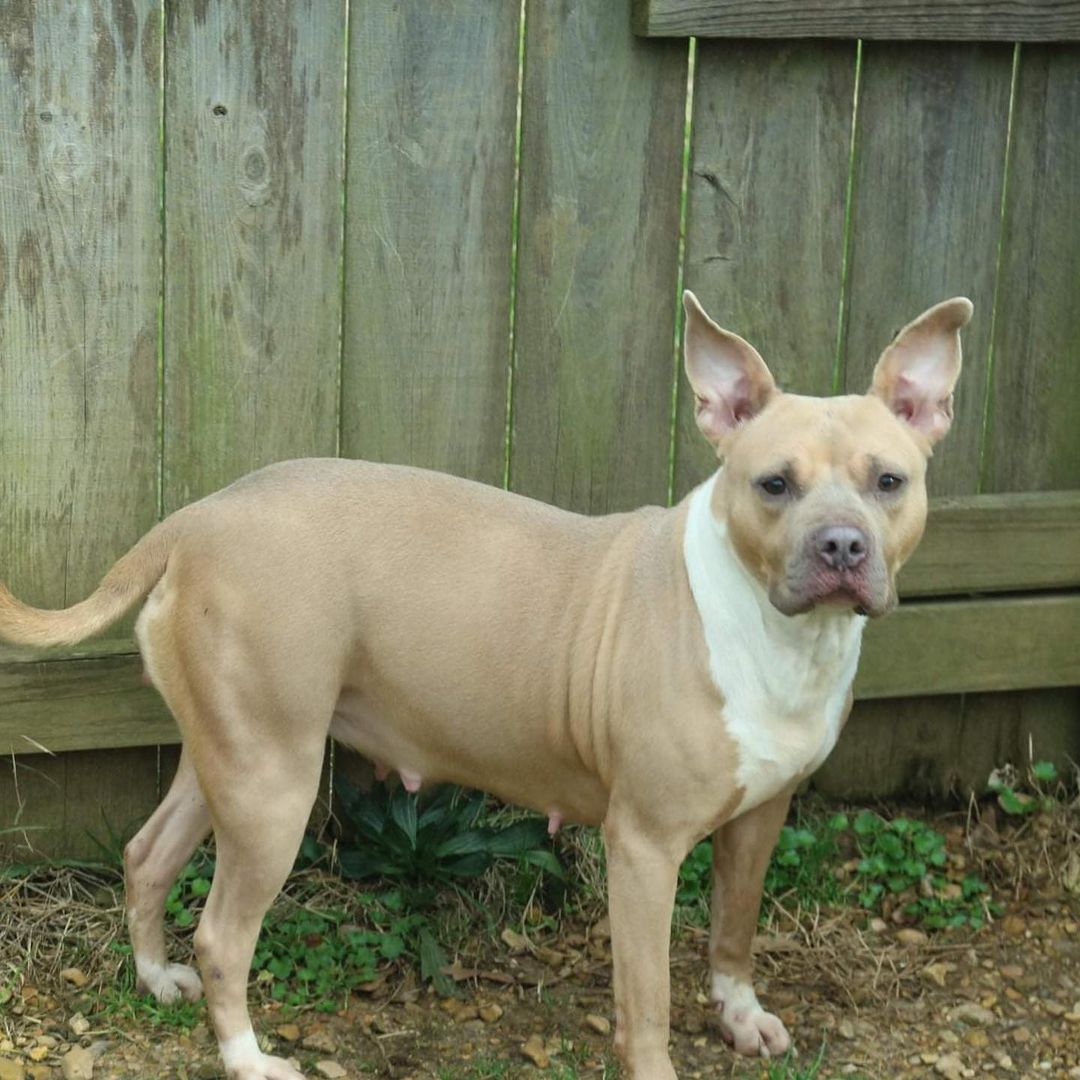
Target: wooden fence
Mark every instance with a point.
(454, 234)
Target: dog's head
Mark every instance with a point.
(825, 498)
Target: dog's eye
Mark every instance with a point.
(890, 482)
(773, 485)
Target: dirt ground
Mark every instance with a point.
(870, 1003)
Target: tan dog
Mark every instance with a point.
(665, 673)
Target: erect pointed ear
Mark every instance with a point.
(917, 372)
(730, 380)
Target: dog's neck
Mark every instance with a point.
(784, 678)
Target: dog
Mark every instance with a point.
(665, 674)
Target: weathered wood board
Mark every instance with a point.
(432, 119)
(770, 147)
(79, 283)
(926, 210)
(253, 225)
(997, 543)
(1033, 440)
(893, 20)
(601, 155)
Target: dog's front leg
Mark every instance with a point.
(741, 851)
(641, 886)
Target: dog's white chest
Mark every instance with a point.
(784, 679)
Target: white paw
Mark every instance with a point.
(245, 1061)
(169, 983)
(265, 1068)
(744, 1023)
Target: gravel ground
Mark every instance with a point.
(878, 1003)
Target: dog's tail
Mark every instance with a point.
(129, 580)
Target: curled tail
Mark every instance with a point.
(129, 580)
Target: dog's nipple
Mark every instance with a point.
(555, 819)
(410, 781)
(382, 770)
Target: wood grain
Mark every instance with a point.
(899, 746)
(603, 119)
(432, 116)
(765, 218)
(80, 704)
(253, 144)
(956, 646)
(997, 543)
(926, 209)
(893, 20)
(1033, 438)
(79, 282)
(71, 805)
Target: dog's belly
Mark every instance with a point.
(504, 756)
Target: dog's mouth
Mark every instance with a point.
(826, 588)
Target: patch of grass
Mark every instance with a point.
(906, 860)
(901, 862)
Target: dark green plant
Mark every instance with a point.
(432, 839)
(316, 958)
(904, 857)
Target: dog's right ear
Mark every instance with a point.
(730, 381)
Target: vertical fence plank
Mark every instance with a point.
(1033, 430)
(602, 136)
(432, 115)
(926, 209)
(253, 144)
(1032, 435)
(925, 224)
(79, 276)
(765, 220)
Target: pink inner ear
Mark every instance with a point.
(912, 404)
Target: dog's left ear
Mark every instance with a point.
(917, 372)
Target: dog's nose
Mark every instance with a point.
(841, 547)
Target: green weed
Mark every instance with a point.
(1009, 786)
(900, 861)
(433, 840)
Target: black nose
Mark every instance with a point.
(841, 547)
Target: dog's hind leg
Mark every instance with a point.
(259, 811)
(152, 859)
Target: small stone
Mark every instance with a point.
(78, 1024)
(977, 1038)
(600, 1023)
(289, 1032)
(950, 1066)
(1054, 1008)
(320, 1041)
(514, 941)
(50, 1042)
(330, 1069)
(937, 973)
(911, 937)
(971, 1013)
(11, 1070)
(77, 1064)
(490, 1013)
(846, 1029)
(1013, 925)
(879, 926)
(1021, 1035)
(75, 976)
(533, 1049)
(38, 1053)
(1012, 971)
